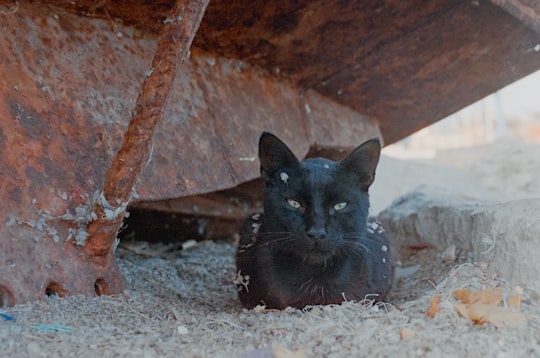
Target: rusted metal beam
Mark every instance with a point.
(406, 64)
(527, 11)
(172, 50)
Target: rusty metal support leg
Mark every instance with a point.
(172, 49)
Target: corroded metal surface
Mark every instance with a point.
(144, 15)
(209, 138)
(405, 63)
(527, 11)
(67, 97)
(60, 125)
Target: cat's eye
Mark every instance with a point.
(340, 206)
(295, 204)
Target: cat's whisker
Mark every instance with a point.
(357, 249)
(306, 285)
(264, 234)
(276, 242)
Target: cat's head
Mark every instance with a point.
(318, 207)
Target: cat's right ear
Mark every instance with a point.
(361, 163)
(274, 155)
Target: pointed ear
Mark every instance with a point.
(274, 155)
(360, 164)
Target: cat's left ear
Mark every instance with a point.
(361, 163)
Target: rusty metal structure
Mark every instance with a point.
(117, 103)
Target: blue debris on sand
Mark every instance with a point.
(53, 328)
(7, 317)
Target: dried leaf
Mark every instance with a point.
(281, 352)
(492, 296)
(482, 306)
(481, 313)
(463, 295)
(434, 306)
(514, 302)
(501, 317)
(462, 310)
(406, 333)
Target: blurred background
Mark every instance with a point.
(511, 113)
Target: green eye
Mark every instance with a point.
(340, 206)
(295, 204)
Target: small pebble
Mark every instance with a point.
(182, 330)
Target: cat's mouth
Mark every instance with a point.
(324, 260)
(318, 253)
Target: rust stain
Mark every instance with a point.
(526, 11)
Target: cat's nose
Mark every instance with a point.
(316, 234)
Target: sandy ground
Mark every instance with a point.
(183, 302)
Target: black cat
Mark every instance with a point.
(313, 245)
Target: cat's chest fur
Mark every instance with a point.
(311, 245)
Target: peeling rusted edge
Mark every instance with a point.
(523, 12)
(172, 47)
